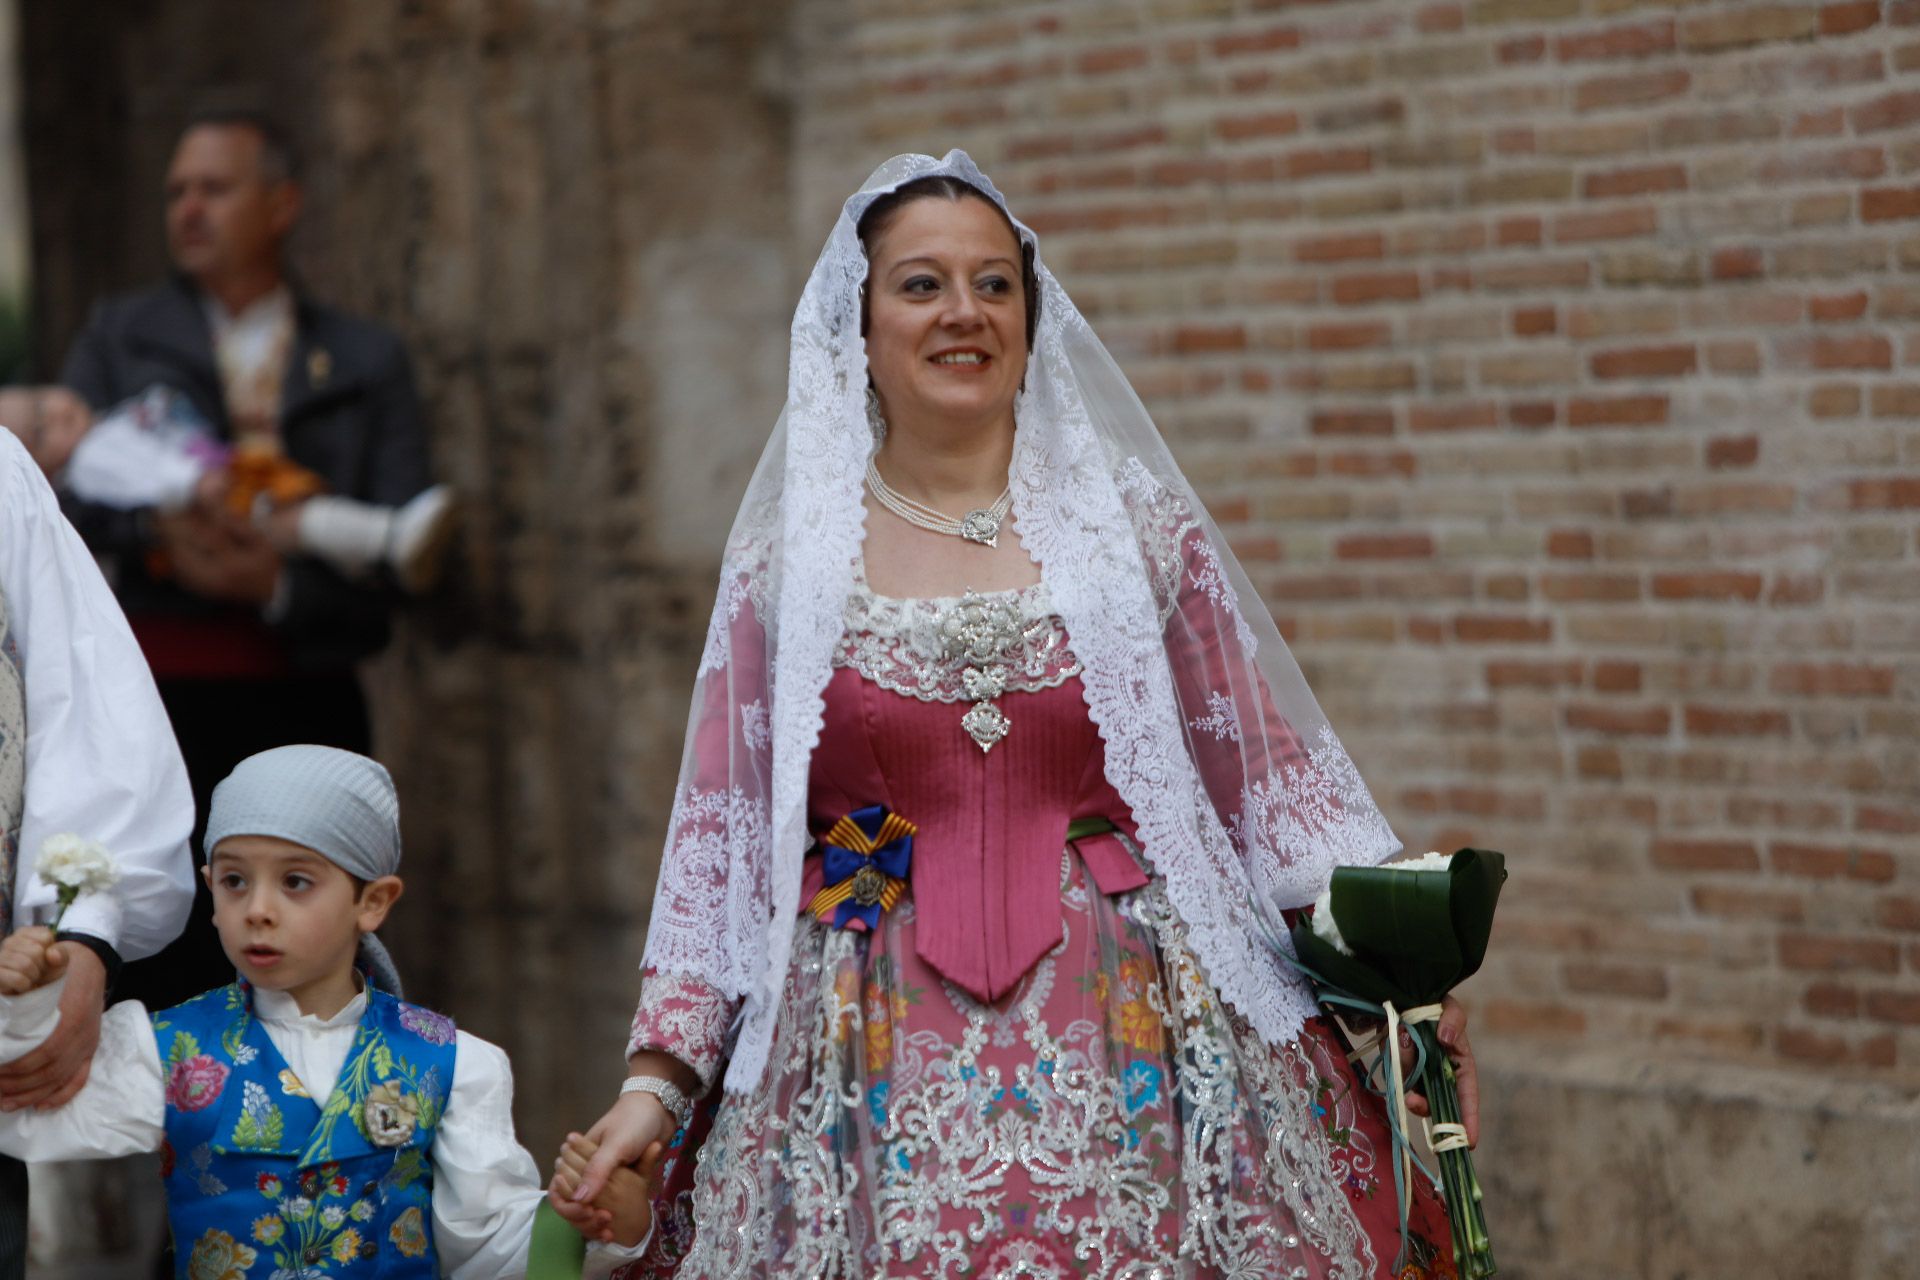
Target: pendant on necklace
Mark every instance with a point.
(981, 526)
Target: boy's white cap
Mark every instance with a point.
(337, 803)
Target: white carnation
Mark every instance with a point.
(1323, 923)
(77, 866)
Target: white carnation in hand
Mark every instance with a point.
(1323, 923)
(74, 867)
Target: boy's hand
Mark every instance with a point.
(29, 959)
(623, 1211)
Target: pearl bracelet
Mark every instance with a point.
(666, 1091)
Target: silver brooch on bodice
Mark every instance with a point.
(979, 631)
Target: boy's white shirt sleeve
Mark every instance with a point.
(101, 758)
(486, 1187)
(120, 1111)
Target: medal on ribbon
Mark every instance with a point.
(866, 858)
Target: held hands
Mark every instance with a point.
(29, 959)
(622, 1213)
(219, 556)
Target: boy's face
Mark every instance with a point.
(288, 918)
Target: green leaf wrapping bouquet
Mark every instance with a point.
(1391, 942)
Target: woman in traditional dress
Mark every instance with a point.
(997, 782)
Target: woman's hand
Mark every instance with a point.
(1452, 1031)
(633, 1124)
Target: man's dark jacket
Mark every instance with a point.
(348, 412)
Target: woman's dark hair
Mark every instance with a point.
(879, 214)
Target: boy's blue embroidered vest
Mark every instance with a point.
(263, 1180)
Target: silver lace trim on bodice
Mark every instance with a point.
(966, 648)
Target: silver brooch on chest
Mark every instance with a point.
(980, 632)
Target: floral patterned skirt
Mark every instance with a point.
(1109, 1118)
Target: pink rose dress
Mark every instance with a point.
(1021, 1070)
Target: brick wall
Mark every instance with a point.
(1553, 366)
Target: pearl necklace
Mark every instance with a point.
(982, 525)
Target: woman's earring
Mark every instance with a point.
(876, 421)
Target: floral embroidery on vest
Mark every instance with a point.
(278, 1186)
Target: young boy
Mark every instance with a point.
(311, 1124)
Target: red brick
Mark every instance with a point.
(1102, 61)
(1748, 904)
(1509, 232)
(1441, 17)
(1737, 264)
(1895, 493)
(1833, 164)
(1316, 161)
(1635, 89)
(1647, 179)
(1828, 862)
(1605, 224)
(1530, 322)
(1521, 49)
(1831, 679)
(1889, 111)
(1475, 415)
(1639, 722)
(1828, 308)
(1637, 41)
(1384, 546)
(1751, 24)
(1898, 913)
(1353, 422)
(1616, 411)
(1626, 981)
(1340, 248)
(1646, 362)
(1398, 286)
(1494, 629)
(1870, 817)
(1616, 677)
(1269, 41)
(1902, 1007)
(1202, 338)
(1827, 122)
(1725, 722)
(1736, 451)
(1265, 124)
(1531, 414)
(1348, 337)
(1520, 674)
(1531, 1018)
(1573, 587)
(1845, 19)
(1831, 1000)
(1833, 400)
(1838, 953)
(1828, 1050)
(1704, 855)
(1904, 13)
(1707, 586)
(1570, 544)
(1888, 204)
(1853, 351)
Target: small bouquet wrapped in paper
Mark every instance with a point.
(1391, 942)
(73, 867)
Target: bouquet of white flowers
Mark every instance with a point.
(73, 867)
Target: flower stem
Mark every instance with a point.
(1472, 1251)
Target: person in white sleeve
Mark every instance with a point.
(86, 750)
(309, 1119)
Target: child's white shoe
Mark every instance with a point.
(418, 540)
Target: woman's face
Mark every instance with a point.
(946, 314)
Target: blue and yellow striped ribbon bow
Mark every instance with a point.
(866, 858)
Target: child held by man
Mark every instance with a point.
(310, 1121)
